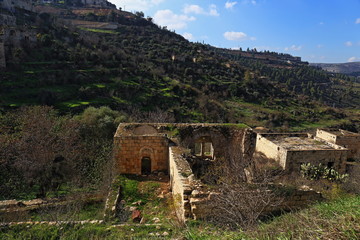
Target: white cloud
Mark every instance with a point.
(357, 21)
(213, 10)
(196, 9)
(171, 20)
(348, 43)
(188, 36)
(237, 36)
(193, 9)
(136, 5)
(253, 2)
(353, 59)
(293, 48)
(320, 46)
(230, 5)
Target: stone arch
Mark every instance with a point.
(146, 159)
(218, 139)
(145, 130)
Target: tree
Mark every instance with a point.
(140, 14)
(235, 202)
(44, 148)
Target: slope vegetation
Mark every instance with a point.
(130, 64)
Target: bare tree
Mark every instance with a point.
(235, 202)
(155, 116)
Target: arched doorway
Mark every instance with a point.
(145, 166)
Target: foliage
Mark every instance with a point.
(322, 172)
(41, 152)
(149, 70)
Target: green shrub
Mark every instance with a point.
(313, 172)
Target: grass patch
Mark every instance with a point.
(339, 219)
(96, 30)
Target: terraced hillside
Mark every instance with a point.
(130, 64)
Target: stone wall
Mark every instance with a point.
(352, 143)
(349, 140)
(336, 158)
(271, 150)
(130, 150)
(290, 159)
(297, 200)
(201, 203)
(181, 183)
(327, 136)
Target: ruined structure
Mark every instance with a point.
(344, 138)
(12, 35)
(185, 150)
(141, 148)
(292, 150)
(11, 5)
(98, 3)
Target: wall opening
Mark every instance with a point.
(204, 148)
(145, 166)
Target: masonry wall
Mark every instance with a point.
(315, 157)
(180, 172)
(352, 144)
(201, 203)
(329, 137)
(130, 150)
(271, 150)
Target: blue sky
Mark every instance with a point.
(317, 30)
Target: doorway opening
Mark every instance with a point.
(145, 166)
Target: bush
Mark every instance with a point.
(313, 172)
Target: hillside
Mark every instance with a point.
(351, 68)
(82, 57)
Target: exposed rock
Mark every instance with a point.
(136, 216)
(137, 203)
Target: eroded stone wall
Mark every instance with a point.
(202, 203)
(181, 183)
(351, 143)
(271, 150)
(130, 150)
(334, 157)
(349, 140)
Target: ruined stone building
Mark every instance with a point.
(144, 148)
(344, 138)
(292, 150)
(182, 150)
